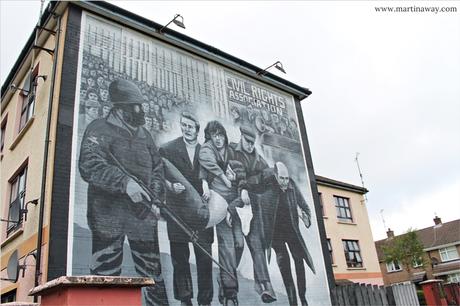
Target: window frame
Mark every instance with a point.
(445, 251)
(9, 296)
(331, 252)
(28, 100)
(346, 207)
(393, 266)
(455, 276)
(3, 133)
(417, 262)
(17, 192)
(356, 261)
(321, 204)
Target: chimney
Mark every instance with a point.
(437, 220)
(390, 233)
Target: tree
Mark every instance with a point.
(406, 249)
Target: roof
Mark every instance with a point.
(172, 37)
(324, 181)
(430, 237)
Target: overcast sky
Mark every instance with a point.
(385, 85)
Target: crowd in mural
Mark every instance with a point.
(264, 121)
(159, 105)
(131, 179)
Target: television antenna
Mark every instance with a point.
(360, 174)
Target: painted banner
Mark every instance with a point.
(191, 174)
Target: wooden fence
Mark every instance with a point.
(452, 292)
(365, 294)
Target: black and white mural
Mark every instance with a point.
(191, 174)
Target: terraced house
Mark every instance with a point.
(441, 243)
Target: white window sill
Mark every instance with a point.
(344, 222)
(22, 133)
(449, 260)
(394, 271)
(18, 232)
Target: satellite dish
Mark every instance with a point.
(13, 267)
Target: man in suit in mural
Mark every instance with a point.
(281, 228)
(182, 152)
(124, 172)
(254, 165)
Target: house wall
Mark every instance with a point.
(359, 230)
(27, 147)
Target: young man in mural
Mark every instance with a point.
(282, 218)
(124, 172)
(220, 173)
(254, 165)
(182, 152)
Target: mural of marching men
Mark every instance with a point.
(123, 168)
(182, 152)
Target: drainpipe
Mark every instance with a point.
(45, 159)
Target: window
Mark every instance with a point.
(320, 196)
(3, 133)
(417, 262)
(352, 253)
(28, 99)
(343, 209)
(453, 278)
(17, 195)
(329, 246)
(449, 253)
(9, 296)
(393, 266)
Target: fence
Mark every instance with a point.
(405, 294)
(452, 292)
(362, 294)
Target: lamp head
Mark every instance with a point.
(177, 20)
(279, 66)
(179, 23)
(44, 77)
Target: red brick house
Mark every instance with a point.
(441, 244)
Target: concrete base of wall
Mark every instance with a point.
(92, 290)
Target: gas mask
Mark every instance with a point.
(133, 114)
